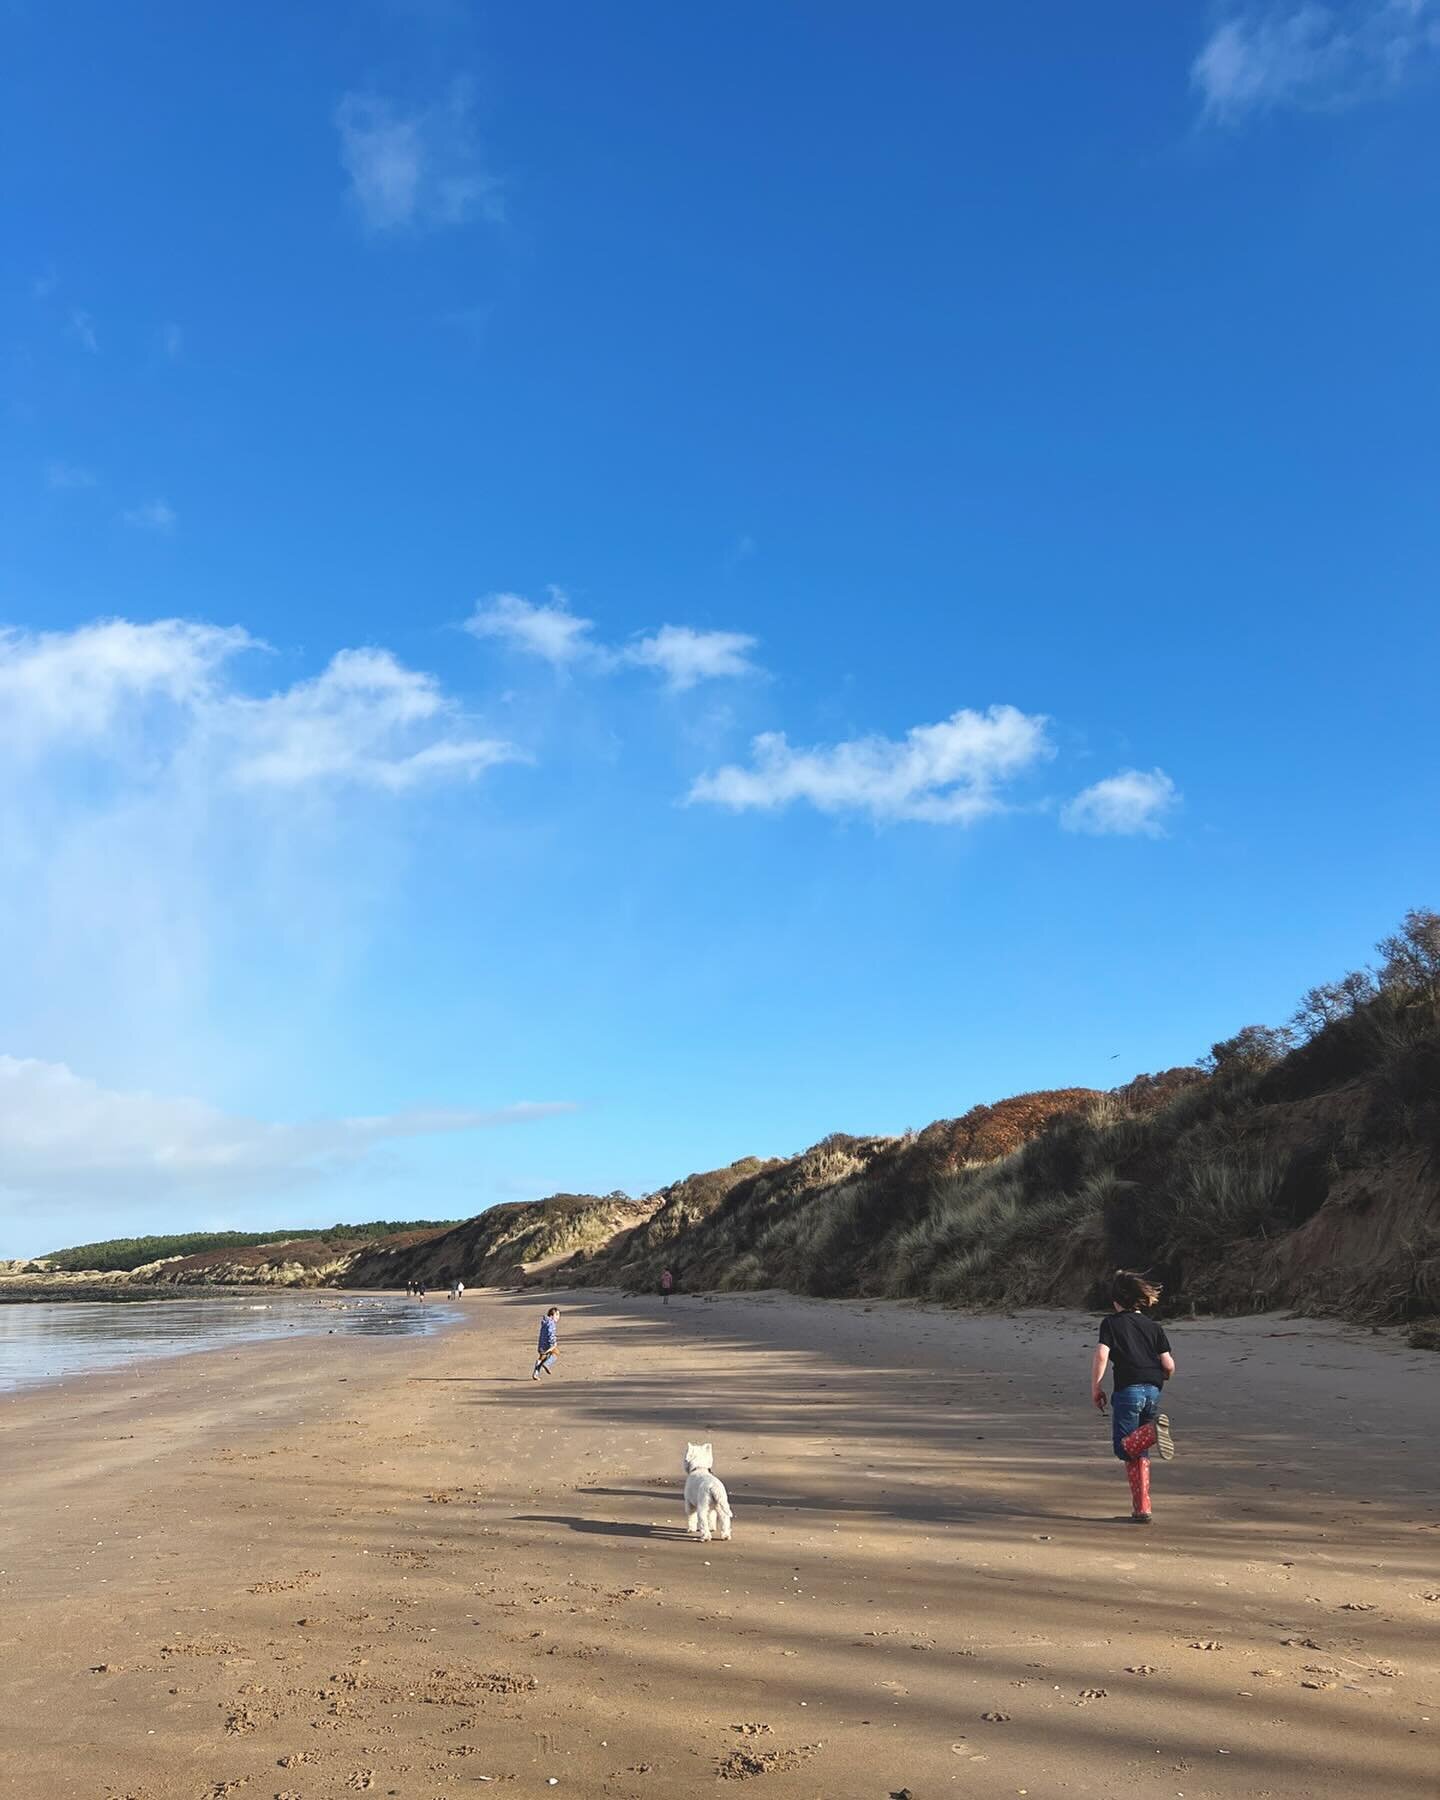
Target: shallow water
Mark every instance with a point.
(43, 1342)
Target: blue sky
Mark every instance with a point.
(592, 590)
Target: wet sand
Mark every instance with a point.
(401, 1567)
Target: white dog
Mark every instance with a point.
(707, 1505)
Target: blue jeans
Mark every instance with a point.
(1130, 1408)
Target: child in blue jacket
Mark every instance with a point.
(549, 1343)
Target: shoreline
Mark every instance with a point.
(411, 1567)
(1382, 1338)
(124, 1366)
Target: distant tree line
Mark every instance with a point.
(131, 1252)
(1408, 975)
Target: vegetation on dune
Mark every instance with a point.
(134, 1252)
(987, 1132)
(1299, 1166)
(499, 1244)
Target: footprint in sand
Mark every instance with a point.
(283, 1586)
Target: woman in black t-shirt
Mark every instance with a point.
(1140, 1351)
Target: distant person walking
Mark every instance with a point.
(667, 1285)
(1139, 1351)
(457, 1290)
(549, 1343)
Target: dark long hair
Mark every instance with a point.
(1131, 1290)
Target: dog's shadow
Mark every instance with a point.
(605, 1527)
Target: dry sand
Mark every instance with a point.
(400, 1567)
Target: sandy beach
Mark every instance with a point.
(324, 1567)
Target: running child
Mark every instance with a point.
(1138, 1349)
(549, 1343)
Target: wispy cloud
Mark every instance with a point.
(1132, 803)
(358, 721)
(685, 657)
(172, 339)
(61, 689)
(1314, 56)
(416, 169)
(176, 816)
(950, 773)
(165, 694)
(154, 515)
(552, 632)
(66, 1138)
(68, 475)
(82, 329)
(679, 654)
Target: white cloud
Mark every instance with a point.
(161, 695)
(1314, 56)
(154, 515)
(60, 689)
(679, 654)
(172, 339)
(355, 722)
(68, 475)
(415, 170)
(194, 851)
(684, 656)
(1129, 804)
(66, 1138)
(82, 328)
(948, 773)
(551, 632)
